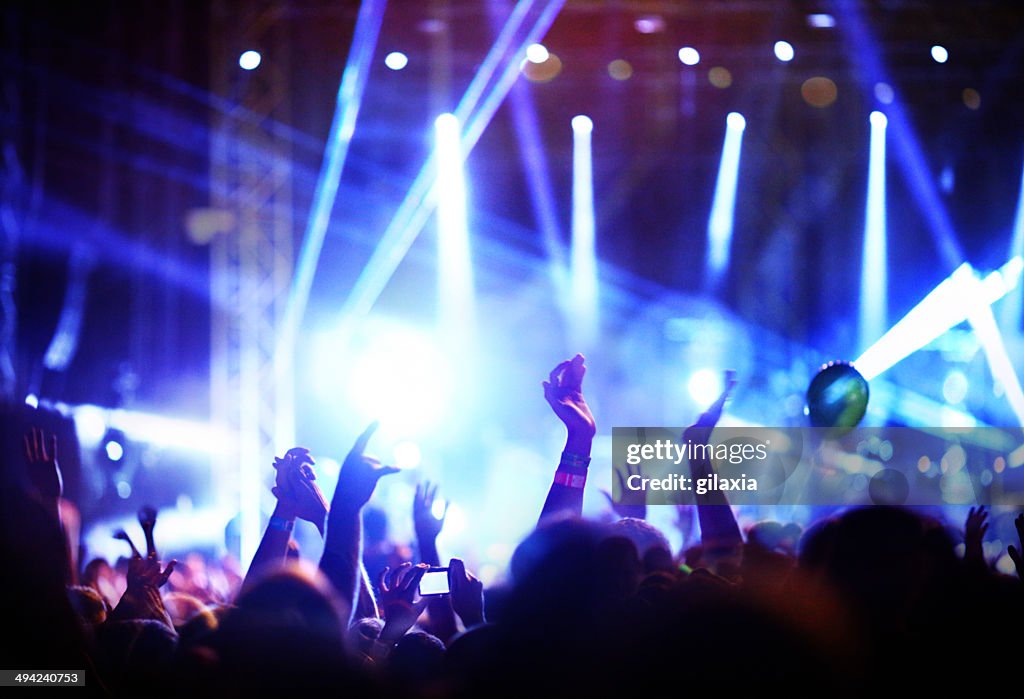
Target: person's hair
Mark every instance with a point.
(88, 604)
(416, 658)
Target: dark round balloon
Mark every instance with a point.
(837, 397)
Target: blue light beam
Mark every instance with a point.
(583, 257)
(346, 112)
(475, 111)
(723, 206)
(1014, 304)
(945, 307)
(455, 267)
(874, 263)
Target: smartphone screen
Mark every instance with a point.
(434, 582)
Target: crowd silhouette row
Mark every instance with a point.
(868, 599)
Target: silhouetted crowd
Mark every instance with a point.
(875, 599)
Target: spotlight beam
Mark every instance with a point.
(723, 206)
(874, 263)
(538, 177)
(945, 307)
(1012, 307)
(454, 264)
(475, 111)
(909, 155)
(583, 257)
(346, 111)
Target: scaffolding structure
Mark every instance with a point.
(251, 259)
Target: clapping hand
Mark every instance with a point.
(296, 490)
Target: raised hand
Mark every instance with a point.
(1015, 553)
(700, 431)
(296, 490)
(974, 534)
(43, 469)
(141, 599)
(360, 473)
(467, 594)
(147, 520)
(400, 599)
(427, 525)
(632, 503)
(564, 393)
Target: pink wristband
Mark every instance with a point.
(571, 480)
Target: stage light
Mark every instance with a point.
(32, 400)
(537, 53)
(649, 24)
(454, 263)
(90, 425)
(884, 93)
(390, 372)
(396, 60)
(736, 121)
(784, 51)
(114, 450)
(821, 20)
(720, 223)
(168, 432)
(582, 124)
(940, 54)
(945, 307)
(583, 257)
(113, 445)
(874, 258)
(689, 56)
(496, 76)
(124, 490)
(704, 386)
(249, 60)
(954, 387)
(407, 455)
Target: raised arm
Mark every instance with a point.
(428, 527)
(43, 470)
(48, 483)
(718, 527)
(564, 393)
(141, 599)
(342, 559)
(298, 496)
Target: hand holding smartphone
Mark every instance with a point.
(434, 583)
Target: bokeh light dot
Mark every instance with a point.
(819, 91)
(620, 69)
(720, 77)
